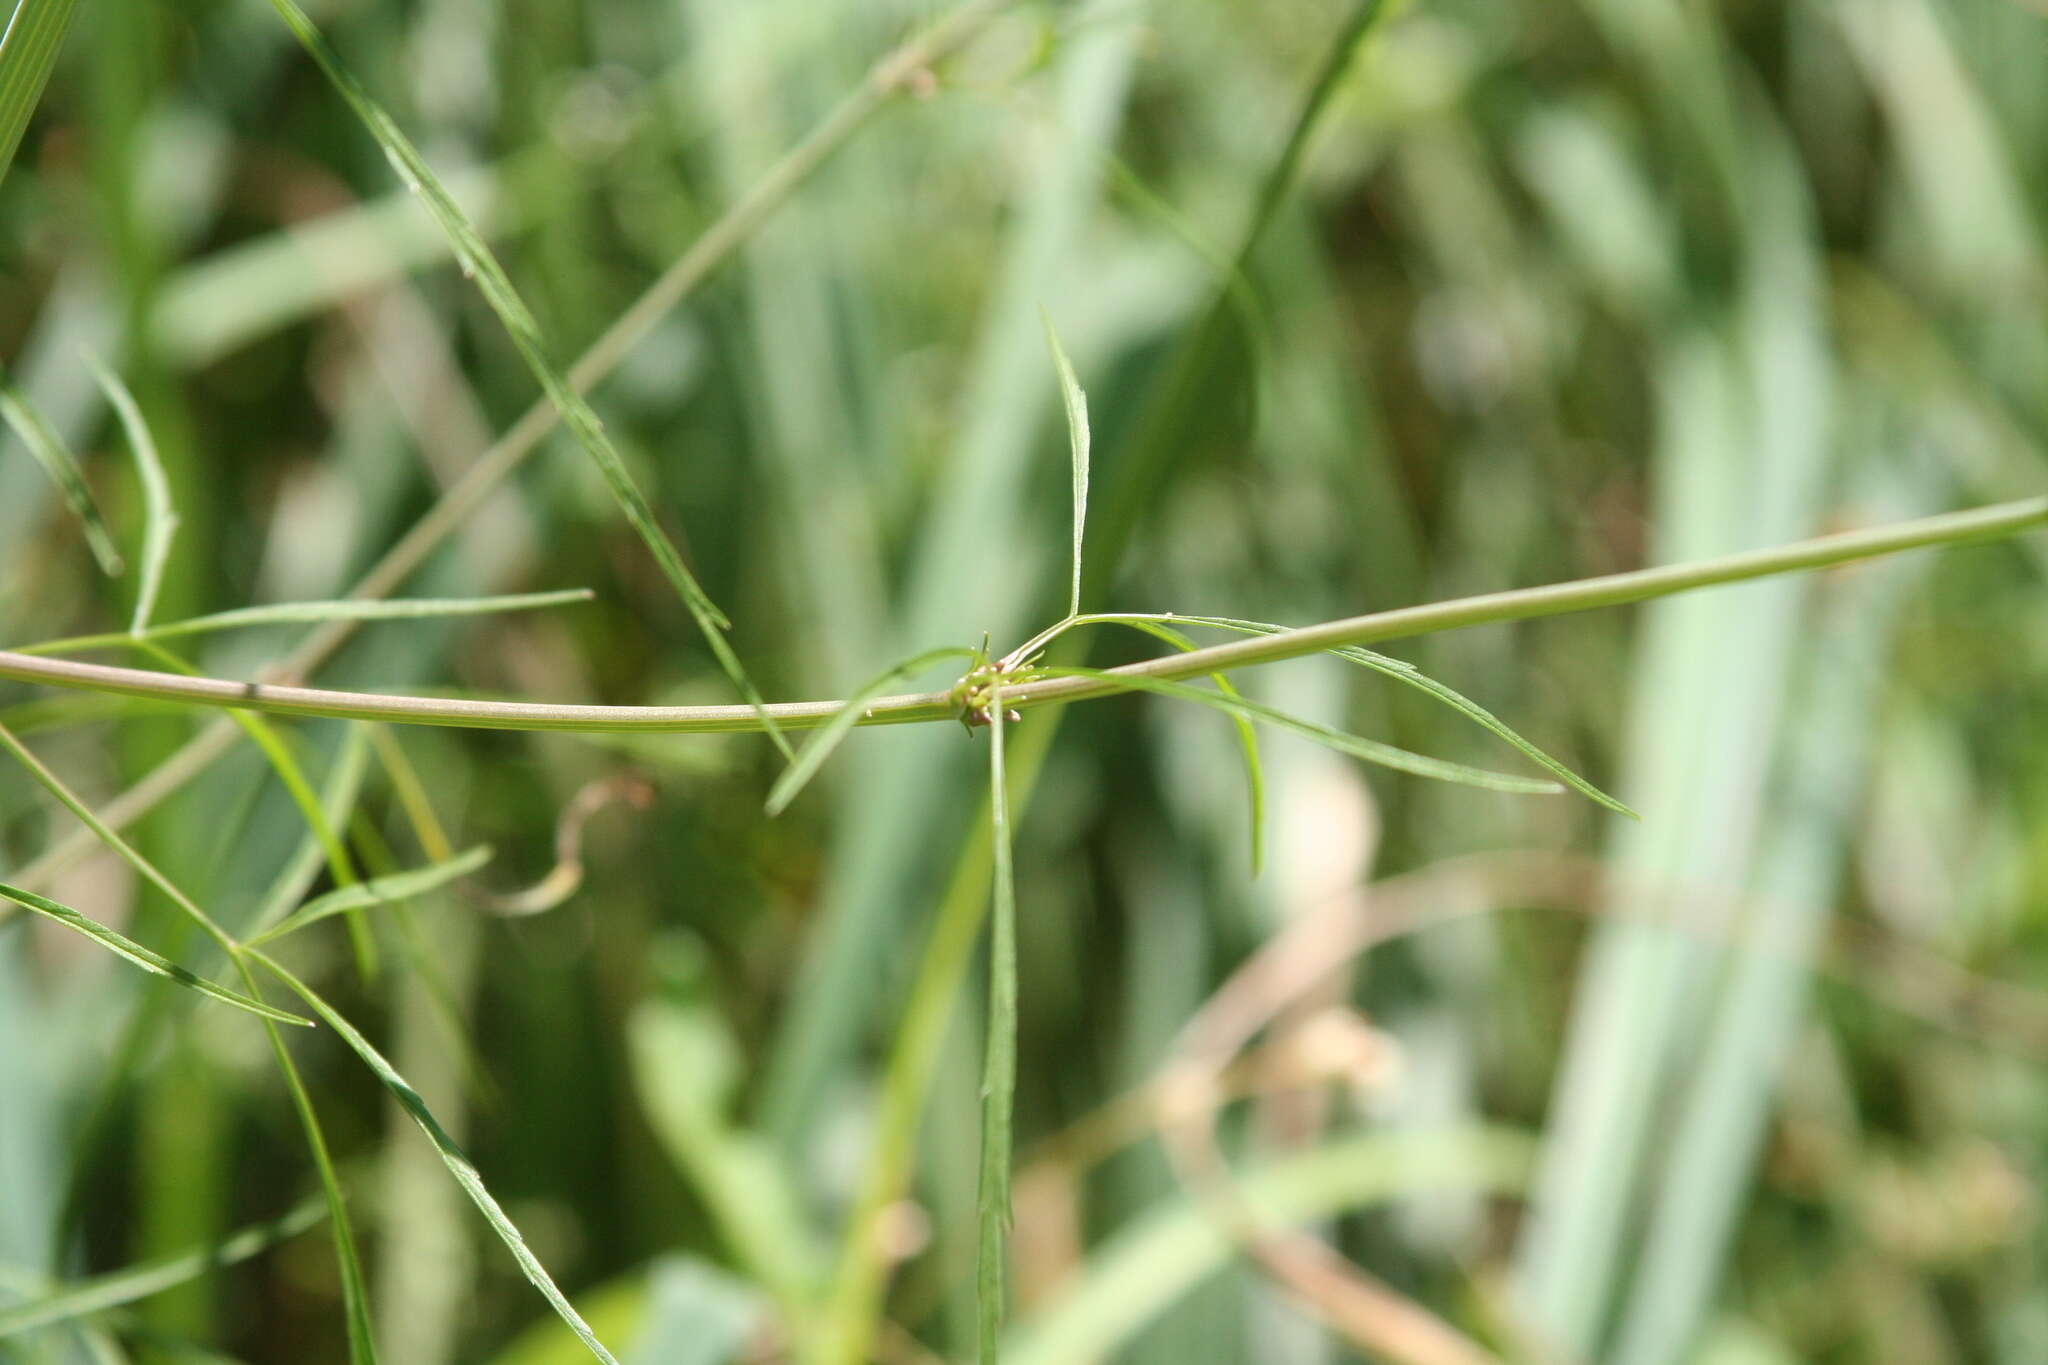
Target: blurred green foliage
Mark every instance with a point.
(1563, 288)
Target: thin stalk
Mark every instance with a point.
(1948, 529)
(999, 1073)
(846, 1331)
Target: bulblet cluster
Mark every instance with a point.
(974, 696)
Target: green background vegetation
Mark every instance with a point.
(1560, 289)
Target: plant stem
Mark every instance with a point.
(1953, 528)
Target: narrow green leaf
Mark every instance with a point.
(338, 798)
(27, 53)
(1076, 403)
(295, 613)
(278, 754)
(355, 1291)
(355, 1296)
(1372, 751)
(480, 265)
(451, 1156)
(1404, 672)
(142, 957)
(999, 1073)
(1247, 734)
(399, 886)
(820, 746)
(125, 1286)
(58, 462)
(160, 518)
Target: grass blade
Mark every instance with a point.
(848, 1324)
(119, 1287)
(149, 871)
(27, 53)
(999, 1074)
(355, 1293)
(1247, 734)
(1372, 751)
(820, 746)
(57, 461)
(346, 609)
(278, 754)
(143, 957)
(459, 1165)
(1076, 403)
(355, 1297)
(481, 266)
(1401, 671)
(160, 518)
(399, 886)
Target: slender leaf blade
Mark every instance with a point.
(307, 613)
(451, 1155)
(1371, 751)
(482, 266)
(1247, 735)
(399, 886)
(148, 960)
(118, 1287)
(999, 1073)
(812, 756)
(355, 1293)
(61, 465)
(278, 754)
(1076, 404)
(34, 35)
(1401, 671)
(160, 516)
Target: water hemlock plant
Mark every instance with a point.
(832, 1315)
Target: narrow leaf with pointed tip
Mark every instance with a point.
(813, 755)
(399, 886)
(458, 1165)
(143, 957)
(482, 266)
(1076, 403)
(58, 462)
(298, 613)
(1400, 670)
(999, 1071)
(1372, 751)
(160, 516)
(27, 52)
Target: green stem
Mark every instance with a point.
(1949, 529)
